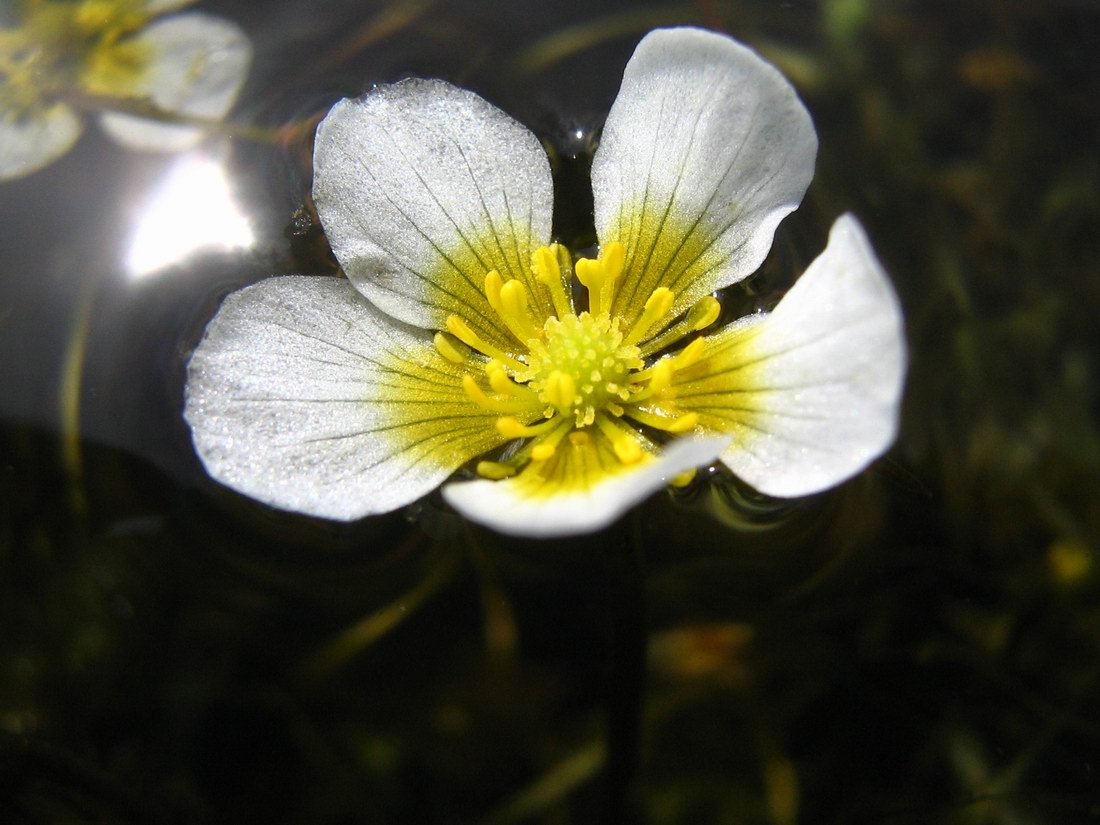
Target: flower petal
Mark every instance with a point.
(37, 140)
(580, 489)
(810, 392)
(305, 397)
(706, 148)
(423, 188)
(198, 66)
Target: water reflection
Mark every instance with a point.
(191, 210)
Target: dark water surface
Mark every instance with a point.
(921, 645)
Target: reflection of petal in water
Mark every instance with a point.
(198, 67)
(28, 145)
(192, 209)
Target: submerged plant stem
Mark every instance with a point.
(368, 630)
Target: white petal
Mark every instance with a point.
(509, 507)
(28, 144)
(198, 66)
(305, 397)
(706, 148)
(423, 188)
(810, 392)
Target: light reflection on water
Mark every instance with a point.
(190, 210)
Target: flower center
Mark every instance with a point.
(582, 367)
(576, 379)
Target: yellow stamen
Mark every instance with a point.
(493, 284)
(623, 441)
(462, 331)
(599, 276)
(500, 405)
(548, 444)
(656, 308)
(683, 479)
(702, 314)
(553, 268)
(690, 354)
(663, 419)
(659, 377)
(504, 385)
(513, 310)
(511, 428)
(495, 470)
(451, 348)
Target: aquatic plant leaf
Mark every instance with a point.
(305, 397)
(810, 392)
(422, 189)
(706, 148)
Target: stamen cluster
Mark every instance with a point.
(579, 375)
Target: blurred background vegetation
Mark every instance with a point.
(921, 645)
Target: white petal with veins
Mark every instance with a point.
(305, 397)
(810, 392)
(706, 148)
(422, 189)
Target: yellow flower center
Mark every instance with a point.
(582, 367)
(577, 377)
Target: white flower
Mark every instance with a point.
(458, 332)
(66, 55)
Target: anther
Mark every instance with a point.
(509, 427)
(552, 267)
(690, 354)
(462, 331)
(493, 284)
(659, 377)
(501, 405)
(451, 348)
(513, 310)
(656, 307)
(683, 479)
(662, 419)
(599, 276)
(548, 444)
(495, 470)
(702, 314)
(625, 444)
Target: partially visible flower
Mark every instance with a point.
(60, 56)
(462, 331)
